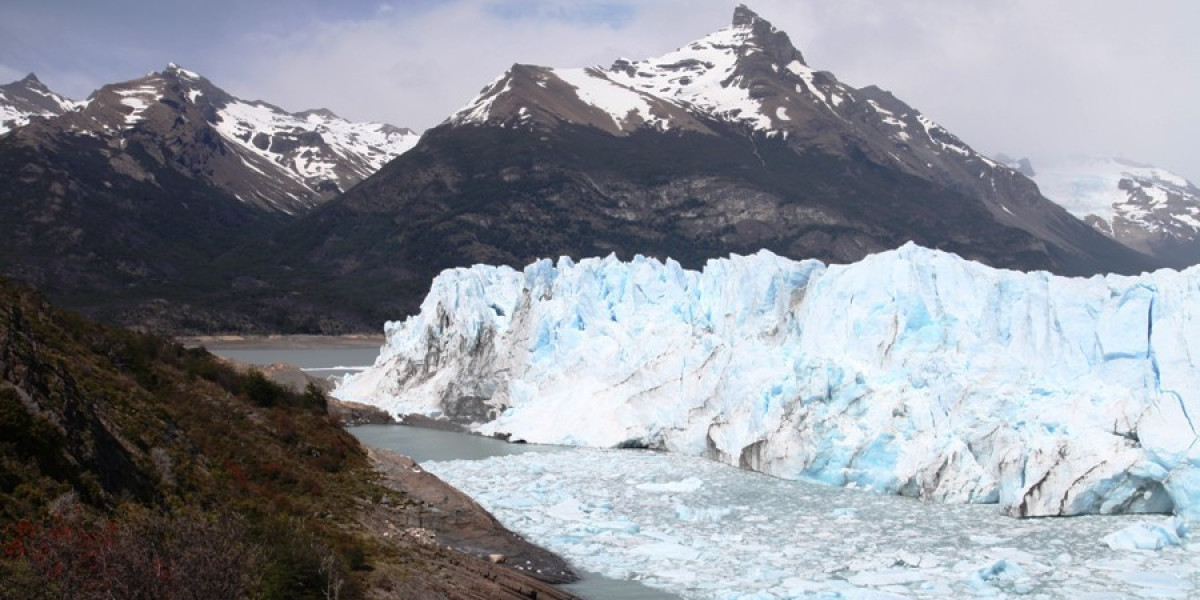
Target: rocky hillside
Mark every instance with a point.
(131, 467)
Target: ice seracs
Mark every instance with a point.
(912, 372)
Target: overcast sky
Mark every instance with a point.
(1039, 78)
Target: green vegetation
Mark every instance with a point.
(132, 467)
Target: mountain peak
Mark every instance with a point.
(774, 43)
(31, 78)
(744, 17)
(319, 112)
(178, 71)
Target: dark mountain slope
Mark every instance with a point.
(579, 192)
(110, 243)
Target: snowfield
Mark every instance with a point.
(912, 372)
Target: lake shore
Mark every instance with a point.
(285, 342)
(478, 557)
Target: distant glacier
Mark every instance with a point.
(911, 372)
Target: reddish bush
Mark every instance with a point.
(141, 556)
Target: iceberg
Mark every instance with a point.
(911, 372)
(1148, 536)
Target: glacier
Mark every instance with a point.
(911, 372)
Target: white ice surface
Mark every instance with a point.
(735, 534)
(912, 372)
(1149, 536)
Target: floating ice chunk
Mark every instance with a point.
(567, 510)
(1148, 536)
(667, 550)
(1158, 584)
(1003, 574)
(887, 577)
(685, 486)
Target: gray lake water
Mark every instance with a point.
(318, 362)
(424, 445)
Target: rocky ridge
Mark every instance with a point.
(259, 153)
(28, 98)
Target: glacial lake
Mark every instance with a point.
(691, 528)
(328, 359)
(431, 446)
(318, 361)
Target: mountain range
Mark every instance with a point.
(168, 203)
(118, 205)
(1147, 208)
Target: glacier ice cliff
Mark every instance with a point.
(912, 372)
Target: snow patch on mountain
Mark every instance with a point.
(1108, 188)
(27, 98)
(1147, 208)
(297, 142)
(138, 99)
(702, 75)
(478, 110)
(595, 88)
(911, 372)
(259, 153)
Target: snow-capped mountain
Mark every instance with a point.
(1149, 209)
(28, 98)
(121, 207)
(730, 144)
(751, 76)
(258, 152)
(912, 372)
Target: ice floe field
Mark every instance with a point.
(706, 530)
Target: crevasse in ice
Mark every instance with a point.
(912, 372)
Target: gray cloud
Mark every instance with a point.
(1025, 77)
